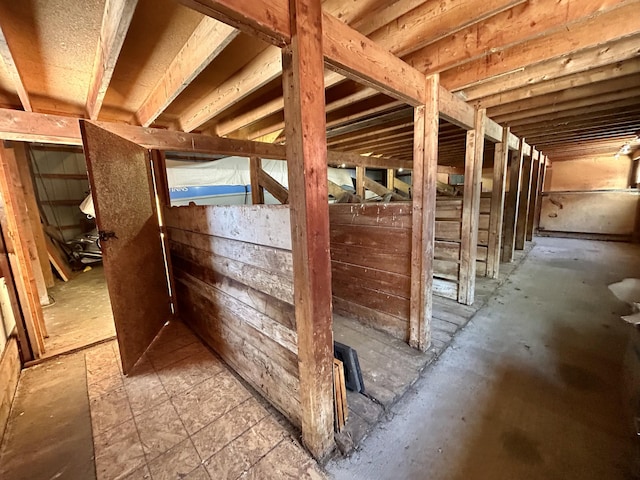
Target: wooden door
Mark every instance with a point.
(124, 199)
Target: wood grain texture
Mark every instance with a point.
(500, 162)
(512, 203)
(235, 288)
(123, 194)
(370, 249)
(305, 128)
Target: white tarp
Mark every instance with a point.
(628, 290)
(235, 171)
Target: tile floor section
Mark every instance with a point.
(181, 414)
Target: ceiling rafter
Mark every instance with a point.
(520, 23)
(581, 35)
(16, 77)
(115, 24)
(206, 42)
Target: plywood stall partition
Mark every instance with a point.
(371, 264)
(233, 273)
(483, 235)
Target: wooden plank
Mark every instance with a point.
(591, 32)
(206, 42)
(447, 250)
(538, 210)
(395, 215)
(372, 238)
(58, 261)
(373, 318)
(535, 179)
(500, 161)
(134, 264)
(257, 192)
(267, 20)
(455, 110)
(355, 56)
(523, 204)
(448, 230)
(272, 186)
(380, 259)
(246, 223)
(24, 162)
(360, 176)
(336, 159)
(16, 227)
(512, 204)
(361, 294)
(158, 139)
(425, 159)
(391, 177)
(39, 127)
(471, 209)
(115, 23)
(259, 72)
(14, 73)
(381, 280)
(445, 288)
(303, 75)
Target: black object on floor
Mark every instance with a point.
(352, 373)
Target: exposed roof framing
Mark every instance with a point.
(10, 65)
(565, 65)
(115, 23)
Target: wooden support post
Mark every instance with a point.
(471, 209)
(15, 223)
(391, 179)
(512, 204)
(43, 267)
(303, 86)
(496, 216)
(360, 174)
(538, 207)
(425, 166)
(257, 192)
(533, 196)
(523, 205)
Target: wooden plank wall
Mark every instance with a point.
(371, 264)
(233, 276)
(446, 263)
(483, 235)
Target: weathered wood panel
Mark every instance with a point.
(234, 286)
(371, 264)
(602, 213)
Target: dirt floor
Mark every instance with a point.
(532, 388)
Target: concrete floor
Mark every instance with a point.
(532, 388)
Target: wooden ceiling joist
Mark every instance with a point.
(115, 24)
(586, 34)
(522, 22)
(14, 73)
(208, 40)
(594, 76)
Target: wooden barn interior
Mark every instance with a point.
(406, 161)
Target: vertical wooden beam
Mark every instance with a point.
(23, 160)
(391, 179)
(14, 73)
(538, 207)
(360, 174)
(533, 196)
(523, 205)
(16, 226)
(471, 209)
(303, 86)
(7, 272)
(115, 23)
(425, 171)
(496, 216)
(512, 204)
(257, 192)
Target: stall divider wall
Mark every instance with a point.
(233, 273)
(483, 235)
(371, 264)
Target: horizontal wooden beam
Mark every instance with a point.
(115, 24)
(455, 110)
(357, 57)
(38, 127)
(10, 64)
(168, 140)
(267, 20)
(272, 186)
(206, 42)
(354, 160)
(492, 130)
